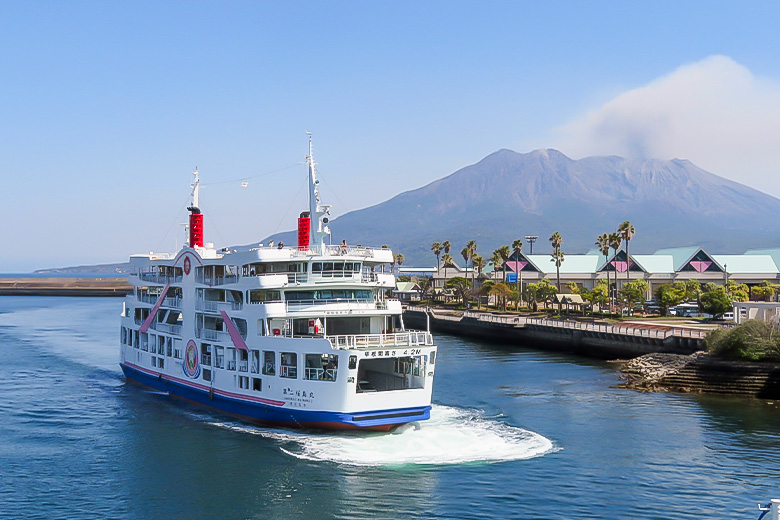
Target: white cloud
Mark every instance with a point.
(715, 113)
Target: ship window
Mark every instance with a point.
(269, 363)
(255, 368)
(161, 362)
(154, 361)
(219, 357)
(205, 354)
(321, 367)
(243, 361)
(352, 362)
(206, 374)
(257, 384)
(289, 365)
(177, 348)
(433, 357)
(243, 382)
(231, 358)
(169, 347)
(264, 296)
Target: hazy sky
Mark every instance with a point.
(108, 106)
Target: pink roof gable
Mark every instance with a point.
(701, 265)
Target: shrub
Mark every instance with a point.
(752, 341)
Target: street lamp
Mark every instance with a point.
(531, 239)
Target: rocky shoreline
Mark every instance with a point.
(700, 373)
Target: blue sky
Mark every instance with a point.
(108, 106)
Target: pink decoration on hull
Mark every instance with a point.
(148, 321)
(235, 336)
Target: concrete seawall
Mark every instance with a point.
(64, 286)
(587, 339)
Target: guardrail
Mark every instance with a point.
(400, 339)
(521, 321)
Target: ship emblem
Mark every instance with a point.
(187, 265)
(191, 366)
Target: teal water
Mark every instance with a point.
(516, 433)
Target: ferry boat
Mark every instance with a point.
(303, 336)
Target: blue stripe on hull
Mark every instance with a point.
(279, 415)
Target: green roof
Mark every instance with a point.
(572, 264)
(656, 263)
(680, 255)
(747, 264)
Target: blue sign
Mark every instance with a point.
(511, 277)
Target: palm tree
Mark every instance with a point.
(627, 231)
(446, 246)
(505, 253)
(399, 259)
(436, 247)
(557, 256)
(602, 241)
(495, 259)
(446, 259)
(478, 262)
(471, 245)
(614, 243)
(517, 249)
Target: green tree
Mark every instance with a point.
(715, 301)
(739, 292)
(670, 295)
(765, 290)
(753, 341)
(599, 295)
(496, 259)
(399, 260)
(627, 231)
(460, 287)
(634, 293)
(540, 292)
(471, 248)
(501, 292)
(504, 253)
(425, 284)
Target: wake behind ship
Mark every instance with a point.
(300, 336)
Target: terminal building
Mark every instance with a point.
(665, 266)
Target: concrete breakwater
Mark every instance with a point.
(599, 340)
(64, 286)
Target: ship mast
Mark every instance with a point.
(195, 228)
(320, 213)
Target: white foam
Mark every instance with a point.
(452, 436)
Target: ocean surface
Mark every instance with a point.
(515, 433)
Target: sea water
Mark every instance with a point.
(515, 432)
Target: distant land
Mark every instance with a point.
(115, 269)
(508, 195)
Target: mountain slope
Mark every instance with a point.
(508, 195)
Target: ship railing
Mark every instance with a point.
(159, 278)
(298, 277)
(353, 303)
(336, 250)
(172, 302)
(215, 306)
(321, 374)
(151, 299)
(213, 335)
(167, 327)
(288, 371)
(398, 339)
(216, 280)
